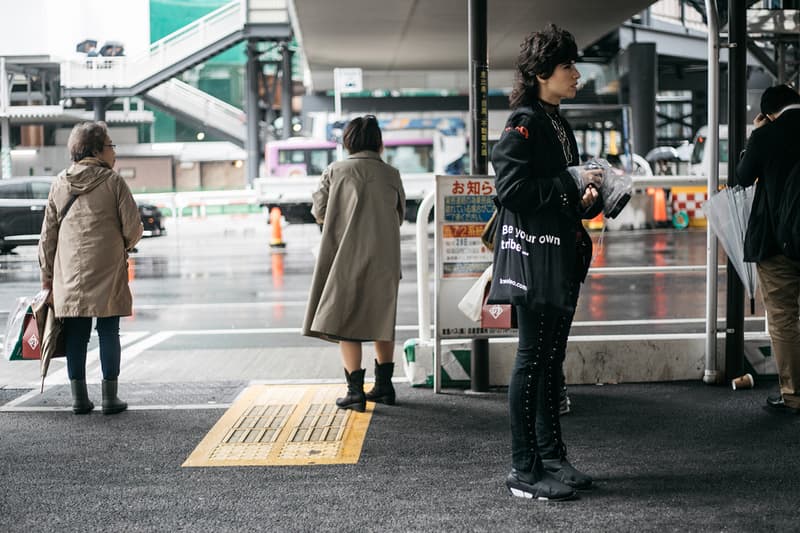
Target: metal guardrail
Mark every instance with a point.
(299, 189)
(177, 202)
(642, 182)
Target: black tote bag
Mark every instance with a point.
(534, 260)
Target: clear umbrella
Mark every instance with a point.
(728, 213)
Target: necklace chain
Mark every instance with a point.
(561, 133)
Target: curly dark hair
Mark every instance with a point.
(87, 140)
(540, 53)
(362, 133)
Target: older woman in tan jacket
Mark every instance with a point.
(353, 295)
(91, 222)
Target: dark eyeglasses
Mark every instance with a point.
(112, 146)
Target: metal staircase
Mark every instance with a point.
(204, 38)
(198, 107)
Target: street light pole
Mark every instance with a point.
(478, 150)
(737, 105)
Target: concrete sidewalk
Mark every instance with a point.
(678, 456)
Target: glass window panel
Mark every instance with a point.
(411, 159)
(40, 190)
(319, 161)
(13, 190)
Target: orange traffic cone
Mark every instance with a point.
(277, 233)
(659, 207)
(596, 222)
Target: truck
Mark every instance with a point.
(698, 164)
(294, 166)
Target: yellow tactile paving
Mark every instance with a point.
(275, 425)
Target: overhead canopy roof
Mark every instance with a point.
(391, 39)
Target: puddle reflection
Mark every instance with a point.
(147, 267)
(277, 283)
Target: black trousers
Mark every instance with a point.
(533, 391)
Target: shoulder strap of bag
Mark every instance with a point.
(72, 198)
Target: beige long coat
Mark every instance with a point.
(86, 258)
(361, 203)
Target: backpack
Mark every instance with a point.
(787, 221)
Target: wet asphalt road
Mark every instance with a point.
(219, 275)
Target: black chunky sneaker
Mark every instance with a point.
(776, 403)
(523, 485)
(564, 472)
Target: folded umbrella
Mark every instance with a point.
(51, 334)
(728, 213)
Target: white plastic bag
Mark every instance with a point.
(472, 302)
(418, 363)
(16, 319)
(14, 325)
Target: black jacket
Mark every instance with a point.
(772, 151)
(531, 178)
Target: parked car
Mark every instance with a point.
(22, 204)
(152, 220)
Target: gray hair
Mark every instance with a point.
(87, 140)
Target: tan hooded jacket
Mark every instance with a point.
(86, 258)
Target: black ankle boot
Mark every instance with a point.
(111, 404)
(81, 404)
(383, 391)
(355, 399)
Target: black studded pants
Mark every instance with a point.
(533, 391)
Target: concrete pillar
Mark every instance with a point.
(5, 148)
(641, 66)
(100, 105)
(286, 90)
(5, 130)
(252, 143)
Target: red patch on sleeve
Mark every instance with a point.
(523, 130)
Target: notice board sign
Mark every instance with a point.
(463, 206)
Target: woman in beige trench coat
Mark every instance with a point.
(353, 297)
(91, 222)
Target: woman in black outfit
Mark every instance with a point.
(530, 161)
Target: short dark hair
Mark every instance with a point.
(540, 53)
(362, 133)
(776, 98)
(86, 140)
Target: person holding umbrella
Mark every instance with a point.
(770, 157)
(91, 222)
